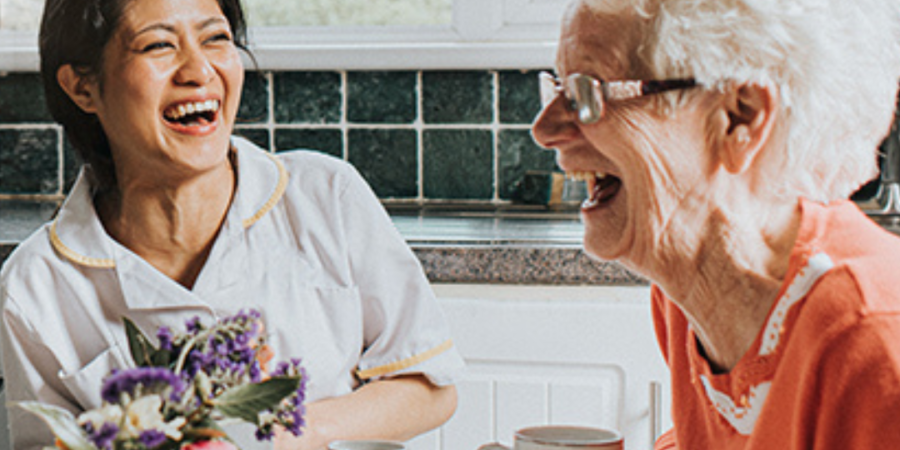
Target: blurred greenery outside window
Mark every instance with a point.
(24, 15)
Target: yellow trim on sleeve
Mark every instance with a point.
(403, 364)
(75, 257)
(279, 191)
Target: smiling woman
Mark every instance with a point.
(172, 215)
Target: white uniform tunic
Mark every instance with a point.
(305, 242)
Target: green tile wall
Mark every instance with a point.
(414, 135)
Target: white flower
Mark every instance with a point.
(144, 414)
(97, 417)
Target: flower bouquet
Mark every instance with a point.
(184, 389)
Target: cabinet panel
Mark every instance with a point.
(551, 355)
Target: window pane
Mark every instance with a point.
(26, 14)
(20, 14)
(348, 12)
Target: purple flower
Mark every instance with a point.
(193, 325)
(152, 438)
(164, 334)
(102, 438)
(255, 372)
(151, 379)
(265, 433)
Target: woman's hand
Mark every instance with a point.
(394, 409)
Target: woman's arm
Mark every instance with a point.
(394, 409)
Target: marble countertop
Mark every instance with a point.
(522, 245)
(455, 244)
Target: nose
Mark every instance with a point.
(555, 124)
(195, 69)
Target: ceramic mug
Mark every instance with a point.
(366, 445)
(562, 437)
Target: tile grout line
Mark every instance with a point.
(419, 126)
(270, 105)
(29, 126)
(345, 133)
(61, 162)
(393, 126)
(495, 135)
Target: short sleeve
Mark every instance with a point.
(405, 330)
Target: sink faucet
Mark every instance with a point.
(887, 201)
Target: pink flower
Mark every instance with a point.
(209, 445)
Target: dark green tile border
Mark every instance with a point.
(457, 97)
(22, 99)
(29, 161)
(381, 97)
(387, 159)
(307, 97)
(330, 141)
(518, 154)
(519, 96)
(458, 164)
(254, 99)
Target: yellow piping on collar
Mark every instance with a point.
(279, 191)
(405, 363)
(100, 263)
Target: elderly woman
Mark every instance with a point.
(723, 176)
(173, 218)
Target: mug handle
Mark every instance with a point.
(494, 446)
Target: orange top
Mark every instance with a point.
(823, 373)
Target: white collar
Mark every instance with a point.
(79, 236)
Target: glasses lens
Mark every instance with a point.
(549, 88)
(587, 102)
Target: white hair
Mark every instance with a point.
(835, 64)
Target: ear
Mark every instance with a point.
(749, 114)
(80, 88)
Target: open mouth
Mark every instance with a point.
(192, 114)
(601, 187)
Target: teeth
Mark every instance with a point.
(177, 112)
(581, 175)
(591, 179)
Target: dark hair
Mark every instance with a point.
(76, 32)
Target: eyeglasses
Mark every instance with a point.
(588, 96)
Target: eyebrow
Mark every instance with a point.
(170, 28)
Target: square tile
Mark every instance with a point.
(458, 164)
(518, 155)
(307, 97)
(381, 97)
(258, 136)
(71, 165)
(457, 97)
(22, 99)
(519, 96)
(330, 141)
(254, 99)
(387, 159)
(29, 161)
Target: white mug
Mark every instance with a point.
(366, 445)
(562, 437)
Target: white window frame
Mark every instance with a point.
(484, 34)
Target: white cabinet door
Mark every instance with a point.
(550, 355)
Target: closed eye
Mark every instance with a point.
(157, 46)
(221, 37)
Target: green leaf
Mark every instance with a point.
(246, 402)
(62, 423)
(142, 349)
